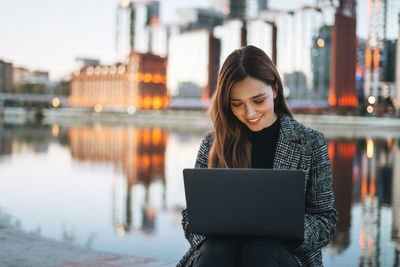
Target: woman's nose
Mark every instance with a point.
(250, 110)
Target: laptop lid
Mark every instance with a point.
(246, 202)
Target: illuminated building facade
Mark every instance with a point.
(343, 54)
(138, 153)
(141, 83)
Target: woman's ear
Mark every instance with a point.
(275, 90)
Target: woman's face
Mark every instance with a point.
(252, 102)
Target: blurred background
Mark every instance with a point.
(103, 103)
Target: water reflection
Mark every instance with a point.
(341, 153)
(365, 178)
(146, 187)
(138, 152)
(29, 138)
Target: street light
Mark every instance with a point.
(371, 100)
(55, 102)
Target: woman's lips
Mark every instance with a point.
(254, 121)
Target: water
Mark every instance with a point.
(119, 188)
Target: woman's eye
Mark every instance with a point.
(259, 101)
(236, 104)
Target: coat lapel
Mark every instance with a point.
(288, 149)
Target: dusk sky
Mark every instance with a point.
(48, 35)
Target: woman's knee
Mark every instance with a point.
(220, 245)
(260, 245)
(218, 252)
(265, 252)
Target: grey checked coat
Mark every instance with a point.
(300, 148)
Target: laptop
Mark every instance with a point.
(246, 202)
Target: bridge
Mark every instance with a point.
(34, 99)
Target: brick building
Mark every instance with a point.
(140, 83)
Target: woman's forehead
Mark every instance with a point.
(249, 88)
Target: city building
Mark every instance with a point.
(241, 9)
(138, 84)
(154, 39)
(343, 54)
(81, 62)
(23, 75)
(388, 61)
(137, 29)
(383, 28)
(230, 34)
(396, 195)
(396, 96)
(299, 57)
(6, 76)
(262, 33)
(18, 74)
(387, 76)
(193, 62)
(320, 62)
(221, 6)
(200, 18)
(390, 9)
(360, 69)
(238, 9)
(235, 33)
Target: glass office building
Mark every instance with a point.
(303, 53)
(258, 33)
(192, 68)
(138, 29)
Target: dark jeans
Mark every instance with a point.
(235, 251)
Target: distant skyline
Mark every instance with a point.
(49, 35)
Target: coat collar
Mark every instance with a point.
(289, 148)
(288, 132)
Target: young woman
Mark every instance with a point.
(254, 128)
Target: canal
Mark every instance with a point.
(119, 188)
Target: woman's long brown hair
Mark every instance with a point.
(231, 147)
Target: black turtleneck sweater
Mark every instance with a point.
(263, 145)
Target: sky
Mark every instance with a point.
(49, 35)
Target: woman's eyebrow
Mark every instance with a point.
(262, 94)
(253, 97)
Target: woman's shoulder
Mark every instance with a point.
(206, 143)
(306, 134)
(202, 155)
(207, 140)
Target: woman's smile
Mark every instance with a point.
(252, 102)
(254, 121)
